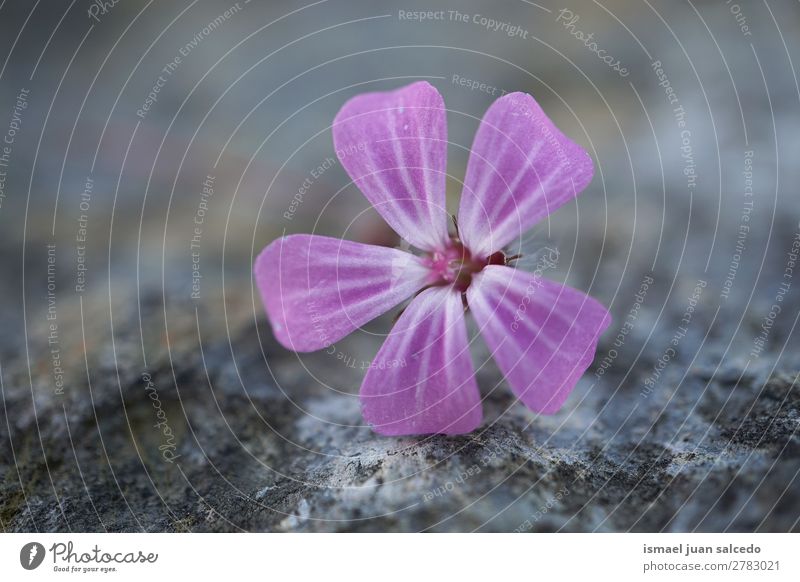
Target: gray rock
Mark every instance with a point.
(721, 452)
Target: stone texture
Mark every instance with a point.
(719, 453)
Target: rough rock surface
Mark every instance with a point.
(720, 453)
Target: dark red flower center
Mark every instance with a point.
(456, 266)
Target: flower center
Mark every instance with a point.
(455, 265)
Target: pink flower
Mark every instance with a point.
(543, 335)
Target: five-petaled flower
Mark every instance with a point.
(543, 335)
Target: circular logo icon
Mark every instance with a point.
(31, 555)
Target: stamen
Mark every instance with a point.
(456, 266)
(455, 224)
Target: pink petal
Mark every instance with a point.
(394, 147)
(317, 289)
(521, 169)
(422, 380)
(542, 334)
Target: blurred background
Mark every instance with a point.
(151, 149)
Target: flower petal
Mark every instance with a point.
(542, 334)
(521, 169)
(317, 289)
(394, 147)
(422, 381)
